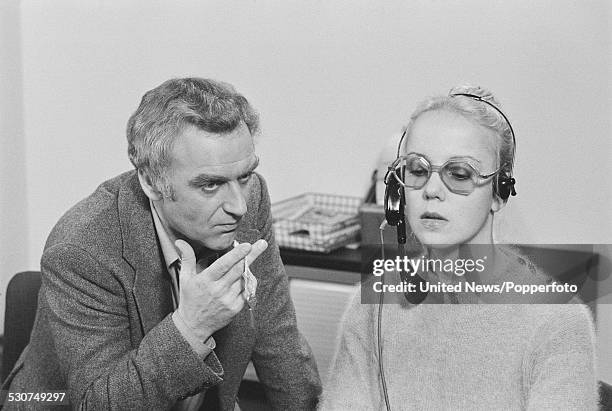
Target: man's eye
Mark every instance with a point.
(245, 179)
(210, 187)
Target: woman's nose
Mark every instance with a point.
(434, 187)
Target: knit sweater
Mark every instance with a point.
(465, 357)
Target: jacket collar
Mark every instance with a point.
(152, 287)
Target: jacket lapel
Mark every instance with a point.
(152, 287)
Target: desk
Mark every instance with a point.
(344, 259)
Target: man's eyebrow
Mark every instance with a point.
(203, 179)
(251, 168)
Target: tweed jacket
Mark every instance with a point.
(104, 332)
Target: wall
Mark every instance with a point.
(332, 80)
(13, 211)
(604, 309)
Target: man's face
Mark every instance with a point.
(210, 175)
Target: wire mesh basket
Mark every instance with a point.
(316, 222)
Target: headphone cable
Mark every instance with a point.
(381, 367)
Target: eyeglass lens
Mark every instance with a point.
(458, 176)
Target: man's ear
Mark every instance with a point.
(148, 187)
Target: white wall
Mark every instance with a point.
(13, 214)
(332, 80)
(604, 309)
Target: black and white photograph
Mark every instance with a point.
(254, 205)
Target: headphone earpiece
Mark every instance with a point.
(394, 206)
(505, 186)
(393, 201)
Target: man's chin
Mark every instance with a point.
(221, 242)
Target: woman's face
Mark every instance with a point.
(438, 217)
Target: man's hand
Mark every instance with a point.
(209, 299)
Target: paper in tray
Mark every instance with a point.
(316, 222)
(317, 214)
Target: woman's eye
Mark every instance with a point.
(459, 173)
(418, 172)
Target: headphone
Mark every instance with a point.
(395, 201)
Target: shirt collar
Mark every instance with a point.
(168, 249)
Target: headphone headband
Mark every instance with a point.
(505, 182)
(501, 113)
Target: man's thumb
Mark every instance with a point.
(188, 259)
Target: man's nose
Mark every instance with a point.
(235, 201)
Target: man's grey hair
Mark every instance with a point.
(163, 113)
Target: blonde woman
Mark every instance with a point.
(455, 169)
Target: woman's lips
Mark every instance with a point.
(432, 216)
(433, 221)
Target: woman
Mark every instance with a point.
(455, 168)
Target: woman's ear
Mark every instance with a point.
(497, 204)
(148, 187)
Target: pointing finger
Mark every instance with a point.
(258, 247)
(228, 260)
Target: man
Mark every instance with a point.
(142, 304)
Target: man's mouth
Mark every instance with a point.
(228, 228)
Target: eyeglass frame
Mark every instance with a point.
(431, 169)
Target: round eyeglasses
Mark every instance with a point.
(459, 175)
